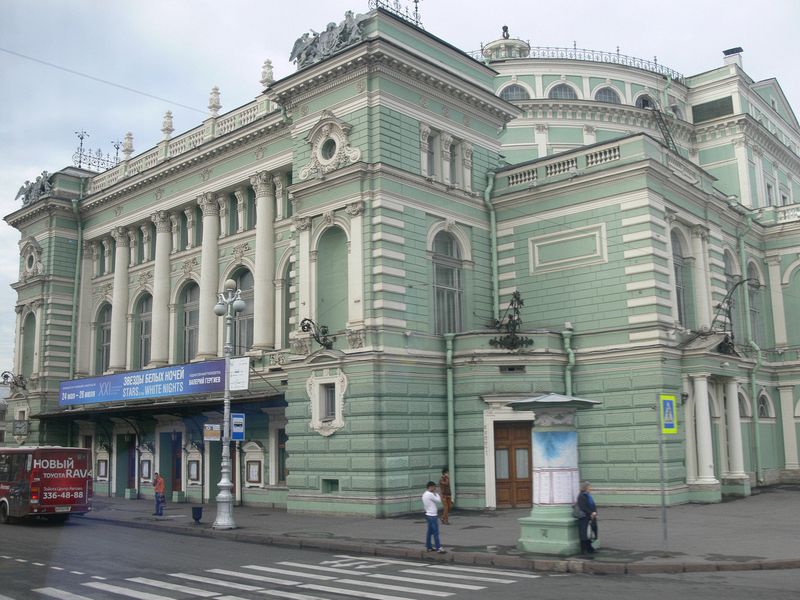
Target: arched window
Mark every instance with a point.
(562, 92)
(447, 284)
(744, 407)
(103, 341)
(764, 408)
(645, 101)
(243, 321)
(190, 322)
(754, 295)
(680, 283)
(607, 94)
(331, 285)
(143, 319)
(28, 344)
(730, 282)
(514, 92)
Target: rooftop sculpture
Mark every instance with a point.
(313, 47)
(31, 191)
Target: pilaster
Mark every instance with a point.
(119, 308)
(264, 285)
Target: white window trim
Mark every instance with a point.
(497, 411)
(313, 388)
(253, 452)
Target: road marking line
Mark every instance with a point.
(289, 595)
(57, 568)
(222, 582)
(115, 589)
(22, 560)
(177, 587)
(5, 597)
(315, 576)
(458, 576)
(489, 571)
(230, 598)
(395, 588)
(252, 577)
(384, 560)
(60, 594)
(77, 572)
(347, 592)
(460, 586)
(98, 577)
(38, 564)
(326, 569)
(4, 556)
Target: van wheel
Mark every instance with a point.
(4, 516)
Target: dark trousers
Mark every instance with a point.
(161, 500)
(433, 531)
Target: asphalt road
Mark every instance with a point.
(85, 560)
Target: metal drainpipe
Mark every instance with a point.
(451, 433)
(77, 281)
(566, 338)
(487, 199)
(748, 327)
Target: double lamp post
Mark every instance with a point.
(230, 302)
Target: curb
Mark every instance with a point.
(484, 559)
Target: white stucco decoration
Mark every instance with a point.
(330, 147)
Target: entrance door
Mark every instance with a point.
(177, 462)
(512, 464)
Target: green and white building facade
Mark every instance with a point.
(398, 191)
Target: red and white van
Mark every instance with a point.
(47, 481)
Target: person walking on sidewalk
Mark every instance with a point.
(158, 491)
(587, 523)
(430, 500)
(447, 496)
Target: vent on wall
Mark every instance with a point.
(512, 368)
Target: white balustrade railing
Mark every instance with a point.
(561, 167)
(601, 156)
(789, 213)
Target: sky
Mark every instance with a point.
(178, 50)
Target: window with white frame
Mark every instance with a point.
(607, 94)
(680, 283)
(754, 296)
(190, 311)
(447, 284)
(430, 157)
(645, 101)
(562, 92)
(770, 195)
(326, 388)
(144, 329)
(514, 92)
(243, 321)
(764, 408)
(254, 464)
(103, 341)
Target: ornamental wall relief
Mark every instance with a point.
(330, 147)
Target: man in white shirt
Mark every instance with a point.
(430, 500)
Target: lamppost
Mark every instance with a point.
(230, 302)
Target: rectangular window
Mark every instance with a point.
(191, 327)
(431, 155)
(194, 470)
(102, 468)
(328, 393)
(770, 195)
(330, 486)
(708, 111)
(253, 471)
(144, 469)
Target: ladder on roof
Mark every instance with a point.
(664, 128)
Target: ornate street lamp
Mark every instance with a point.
(230, 302)
(9, 378)
(318, 332)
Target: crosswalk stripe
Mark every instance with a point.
(252, 577)
(315, 576)
(60, 594)
(383, 560)
(457, 576)
(229, 584)
(348, 592)
(115, 589)
(394, 588)
(490, 571)
(326, 569)
(290, 595)
(230, 598)
(5, 597)
(177, 587)
(38, 564)
(460, 586)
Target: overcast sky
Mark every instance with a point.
(178, 49)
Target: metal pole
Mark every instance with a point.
(663, 488)
(224, 518)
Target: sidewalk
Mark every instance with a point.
(759, 532)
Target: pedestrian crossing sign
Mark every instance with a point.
(669, 414)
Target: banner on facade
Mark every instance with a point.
(178, 380)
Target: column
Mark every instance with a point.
(209, 275)
(83, 349)
(691, 439)
(705, 454)
(159, 340)
(241, 207)
(355, 265)
(776, 297)
(264, 283)
(743, 166)
(789, 431)
(701, 276)
(734, 426)
(18, 340)
(119, 308)
(303, 226)
(761, 188)
(38, 311)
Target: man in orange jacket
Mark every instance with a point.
(158, 490)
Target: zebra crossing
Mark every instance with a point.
(342, 576)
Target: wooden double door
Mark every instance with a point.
(512, 464)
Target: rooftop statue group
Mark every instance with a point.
(313, 47)
(31, 191)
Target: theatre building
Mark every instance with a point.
(459, 232)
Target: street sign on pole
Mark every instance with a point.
(211, 432)
(239, 374)
(237, 427)
(669, 416)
